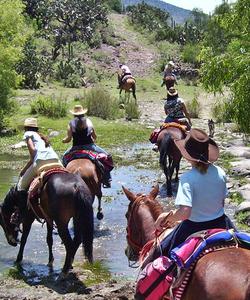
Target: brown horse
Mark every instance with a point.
(170, 155)
(63, 197)
(128, 86)
(91, 174)
(223, 275)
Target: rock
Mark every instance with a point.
(54, 133)
(245, 191)
(239, 151)
(244, 206)
(241, 167)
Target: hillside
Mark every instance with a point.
(180, 15)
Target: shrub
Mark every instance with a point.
(49, 106)
(190, 54)
(222, 112)
(132, 111)
(101, 104)
(193, 107)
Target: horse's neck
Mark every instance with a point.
(147, 221)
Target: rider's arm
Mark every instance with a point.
(93, 135)
(186, 113)
(166, 220)
(32, 152)
(68, 138)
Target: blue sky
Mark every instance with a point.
(206, 5)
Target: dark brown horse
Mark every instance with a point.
(91, 174)
(128, 86)
(170, 155)
(63, 197)
(223, 275)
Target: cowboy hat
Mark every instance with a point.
(172, 91)
(30, 122)
(78, 110)
(197, 146)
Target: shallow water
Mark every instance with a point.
(110, 233)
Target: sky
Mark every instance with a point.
(206, 5)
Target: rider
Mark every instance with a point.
(82, 131)
(169, 72)
(42, 156)
(201, 192)
(123, 71)
(175, 108)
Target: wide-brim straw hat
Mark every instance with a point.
(198, 146)
(171, 63)
(30, 122)
(78, 110)
(172, 91)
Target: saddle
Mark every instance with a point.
(126, 77)
(36, 187)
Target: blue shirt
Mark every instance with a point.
(205, 193)
(42, 152)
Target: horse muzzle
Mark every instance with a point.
(130, 253)
(11, 240)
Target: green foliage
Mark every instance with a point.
(132, 111)
(168, 51)
(190, 53)
(222, 111)
(231, 67)
(13, 34)
(29, 67)
(236, 197)
(101, 104)
(115, 5)
(193, 107)
(49, 106)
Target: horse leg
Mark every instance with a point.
(26, 230)
(134, 95)
(50, 244)
(68, 244)
(87, 230)
(99, 213)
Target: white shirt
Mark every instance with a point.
(125, 69)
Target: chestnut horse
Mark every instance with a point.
(223, 275)
(91, 174)
(63, 197)
(170, 156)
(127, 86)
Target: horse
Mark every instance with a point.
(170, 156)
(212, 276)
(64, 196)
(128, 85)
(91, 174)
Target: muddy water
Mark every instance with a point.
(110, 233)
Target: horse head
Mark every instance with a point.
(142, 212)
(8, 214)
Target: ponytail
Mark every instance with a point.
(201, 167)
(45, 139)
(80, 122)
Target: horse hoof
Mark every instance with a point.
(99, 215)
(62, 276)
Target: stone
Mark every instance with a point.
(244, 206)
(241, 167)
(19, 145)
(239, 151)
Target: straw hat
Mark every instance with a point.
(172, 91)
(197, 146)
(171, 63)
(78, 110)
(30, 122)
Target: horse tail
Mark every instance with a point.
(85, 221)
(164, 146)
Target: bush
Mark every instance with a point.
(190, 54)
(49, 106)
(193, 107)
(132, 111)
(222, 112)
(101, 104)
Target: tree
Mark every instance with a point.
(231, 67)
(13, 35)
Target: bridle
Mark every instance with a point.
(134, 245)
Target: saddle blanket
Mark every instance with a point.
(188, 252)
(97, 158)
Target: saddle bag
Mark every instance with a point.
(155, 279)
(154, 135)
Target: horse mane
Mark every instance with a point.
(8, 202)
(154, 206)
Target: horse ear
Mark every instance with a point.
(131, 196)
(154, 192)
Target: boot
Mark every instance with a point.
(21, 201)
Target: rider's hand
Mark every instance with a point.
(163, 221)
